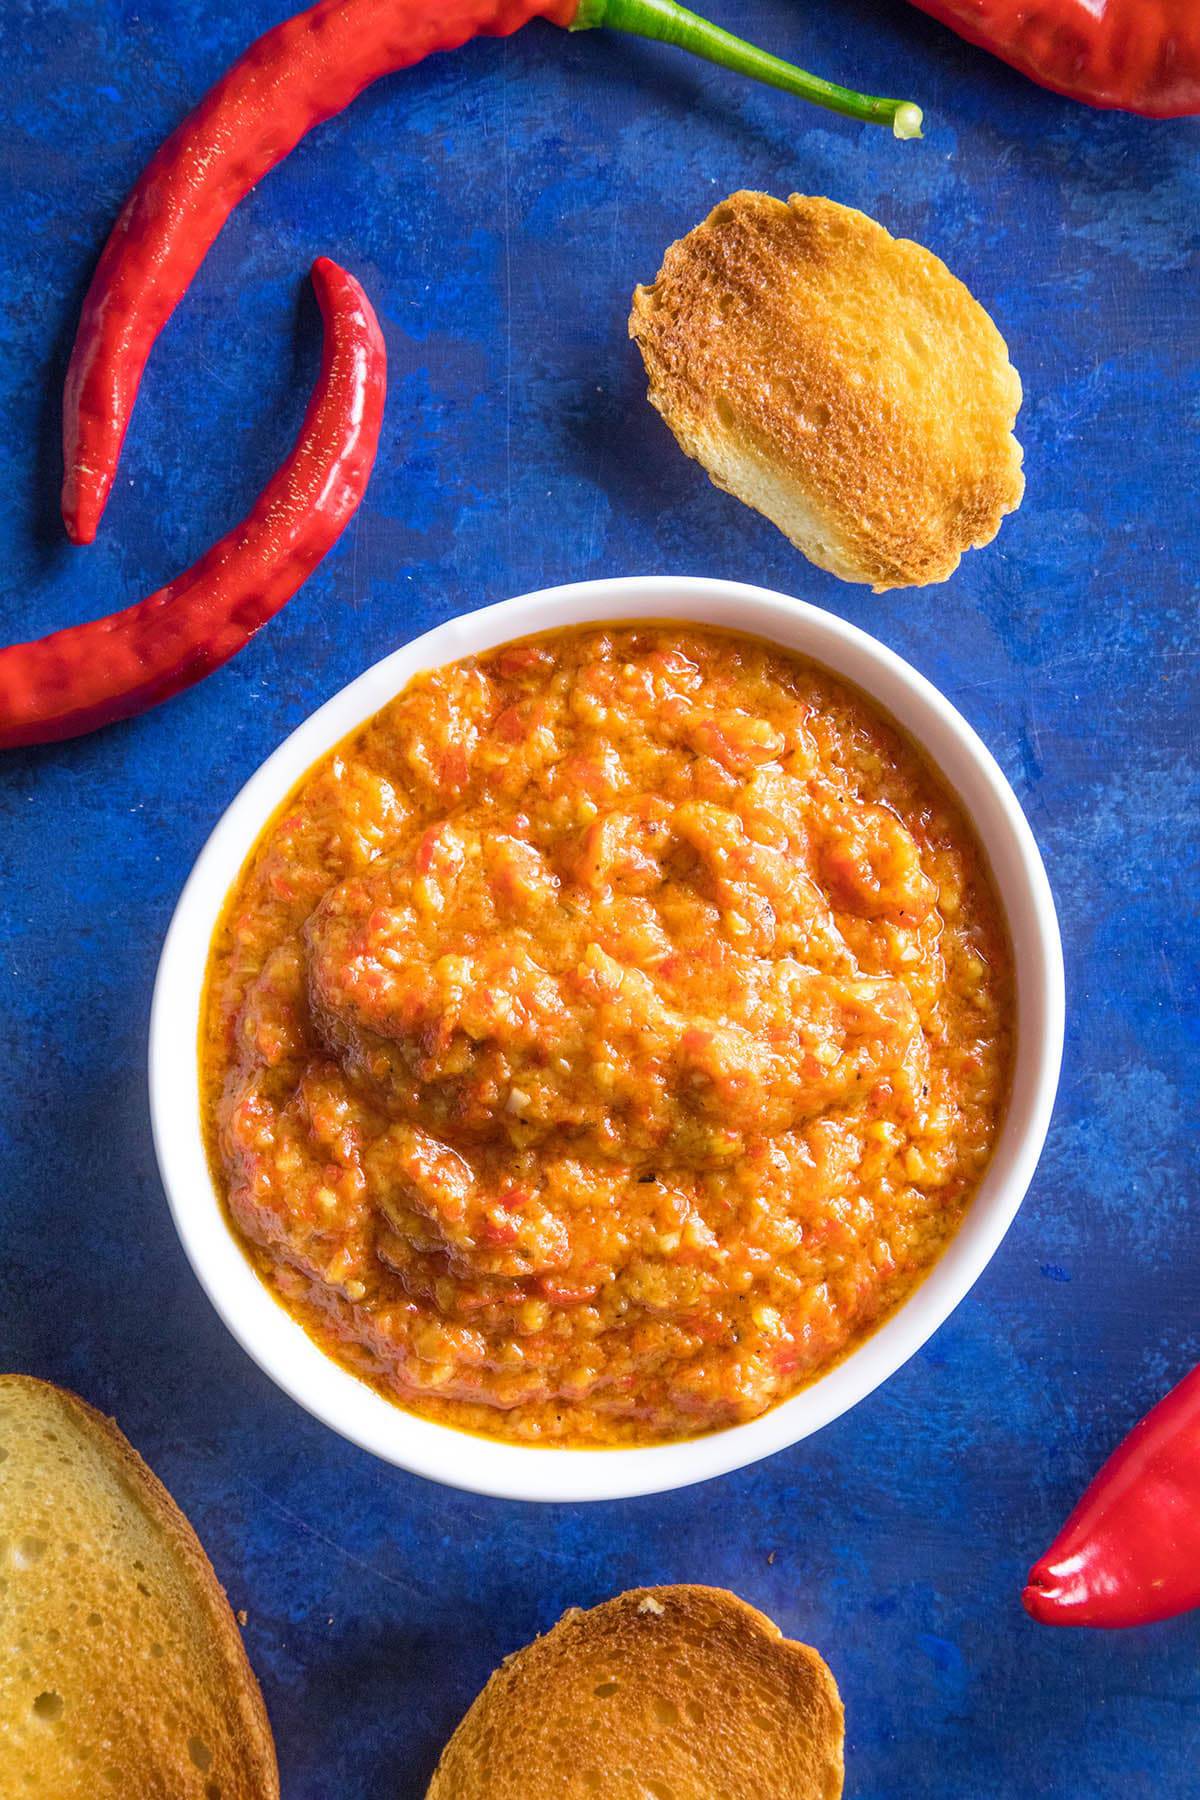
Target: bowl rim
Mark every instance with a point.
(268, 1333)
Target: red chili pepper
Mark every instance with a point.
(1130, 1552)
(304, 71)
(1140, 56)
(91, 674)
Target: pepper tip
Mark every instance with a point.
(80, 527)
(1042, 1599)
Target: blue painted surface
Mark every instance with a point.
(499, 206)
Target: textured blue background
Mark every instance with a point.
(499, 206)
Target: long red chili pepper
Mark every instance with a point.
(88, 675)
(302, 72)
(1130, 1552)
(1141, 56)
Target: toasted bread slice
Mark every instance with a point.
(122, 1671)
(668, 1693)
(838, 379)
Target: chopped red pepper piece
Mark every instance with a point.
(1130, 1552)
(110, 668)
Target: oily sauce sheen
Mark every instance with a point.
(607, 1036)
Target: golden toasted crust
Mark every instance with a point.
(680, 1693)
(838, 379)
(122, 1670)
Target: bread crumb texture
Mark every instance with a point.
(669, 1693)
(121, 1669)
(840, 380)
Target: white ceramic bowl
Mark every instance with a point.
(278, 1344)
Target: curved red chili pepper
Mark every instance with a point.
(75, 680)
(1140, 56)
(1130, 1552)
(303, 71)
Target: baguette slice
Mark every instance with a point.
(122, 1670)
(668, 1693)
(838, 379)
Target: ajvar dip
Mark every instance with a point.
(607, 1036)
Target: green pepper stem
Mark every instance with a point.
(671, 23)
